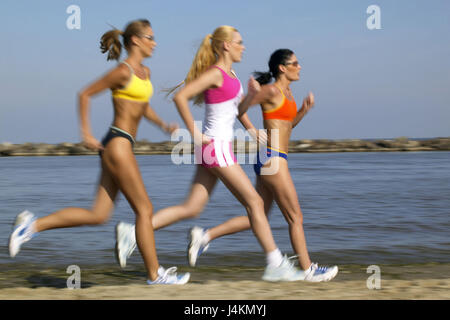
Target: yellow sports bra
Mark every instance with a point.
(136, 89)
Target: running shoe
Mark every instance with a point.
(22, 232)
(286, 271)
(125, 242)
(170, 276)
(318, 274)
(196, 245)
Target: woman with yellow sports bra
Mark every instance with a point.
(273, 179)
(131, 91)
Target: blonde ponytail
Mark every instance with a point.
(206, 56)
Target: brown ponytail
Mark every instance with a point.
(110, 41)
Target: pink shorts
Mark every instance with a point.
(215, 154)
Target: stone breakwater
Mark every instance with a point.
(295, 146)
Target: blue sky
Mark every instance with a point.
(382, 83)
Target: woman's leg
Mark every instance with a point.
(283, 189)
(242, 223)
(118, 157)
(26, 225)
(73, 217)
(201, 189)
(239, 184)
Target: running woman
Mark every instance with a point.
(131, 91)
(280, 115)
(211, 80)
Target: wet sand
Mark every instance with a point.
(426, 281)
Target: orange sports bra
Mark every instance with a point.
(287, 110)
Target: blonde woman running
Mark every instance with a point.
(211, 80)
(131, 91)
(279, 113)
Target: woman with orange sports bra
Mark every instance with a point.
(131, 91)
(273, 180)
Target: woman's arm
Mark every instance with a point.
(258, 135)
(114, 79)
(152, 116)
(253, 96)
(212, 77)
(257, 95)
(248, 125)
(308, 103)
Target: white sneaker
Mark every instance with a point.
(318, 274)
(286, 271)
(125, 242)
(22, 232)
(170, 276)
(196, 245)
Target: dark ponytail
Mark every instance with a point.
(280, 56)
(262, 77)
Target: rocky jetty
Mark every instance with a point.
(146, 148)
(354, 145)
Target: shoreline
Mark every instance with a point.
(413, 281)
(144, 147)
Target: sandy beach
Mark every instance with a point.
(428, 281)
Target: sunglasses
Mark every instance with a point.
(151, 38)
(294, 63)
(240, 42)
